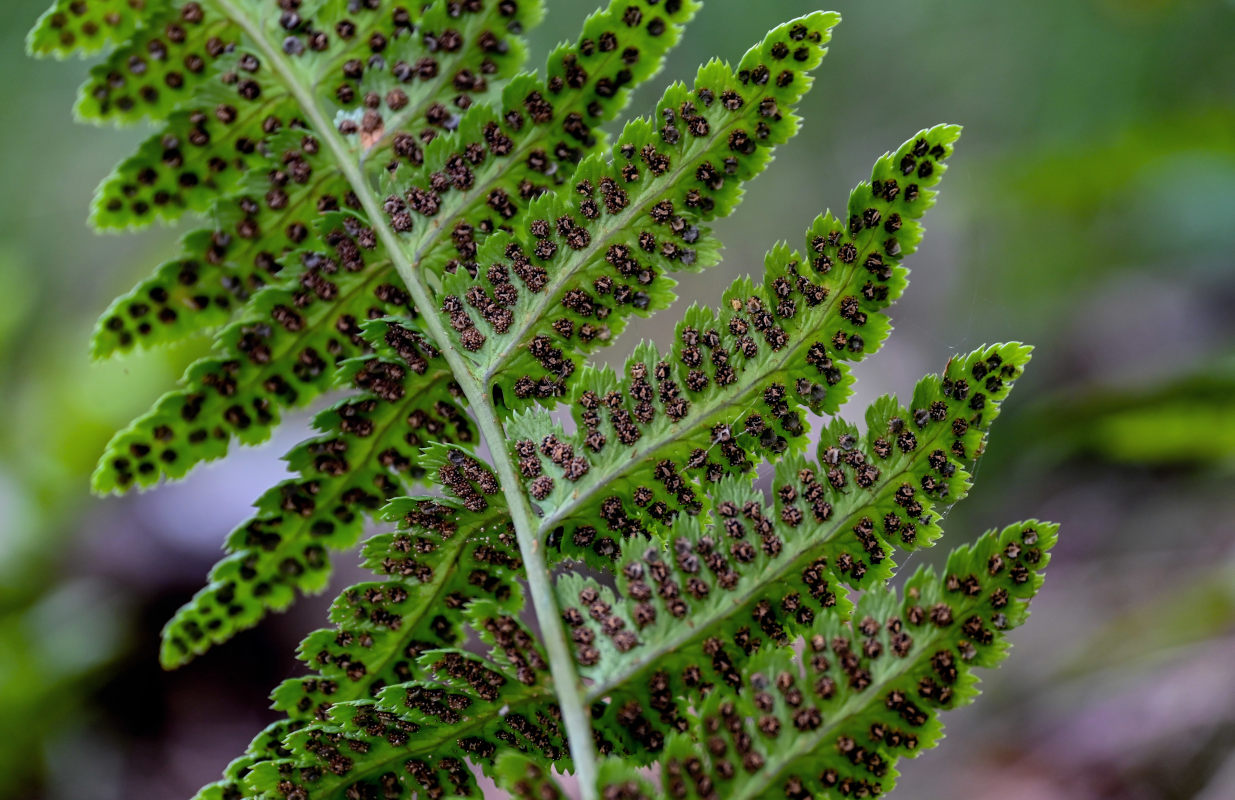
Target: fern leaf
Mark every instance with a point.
(85, 27)
(370, 452)
(325, 299)
(178, 49)
(209, 157)
(756, 573)
(419, 735)
(738, 380)
(833, 716)
(220, 135)
(365, 168)
(442, 560)
(583, 266)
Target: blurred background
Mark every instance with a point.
(1090, 210)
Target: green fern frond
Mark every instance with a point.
(327, 292)
(739, 380)
(369, 453)
(392, 210)
(582, 266)
(757, 573)
(84, 27)
(832, 715)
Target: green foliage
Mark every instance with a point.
(739, 380)
(833, 714)
(634, 212)
(369, 451)
(83, 27)
(391, 209)
(758, 571)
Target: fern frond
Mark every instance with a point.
(369, 453)
(755, 573)
(211, 155)
(324, 294)
(581, 267)
(441, 561)
(84, 27)
(738, 381)
(832, 716)
(393, 211)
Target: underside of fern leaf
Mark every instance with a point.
(831, 714)
(388, 208)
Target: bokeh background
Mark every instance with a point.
(1090, 210)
